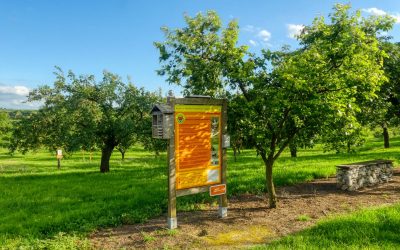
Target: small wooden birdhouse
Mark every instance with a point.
(162, 121)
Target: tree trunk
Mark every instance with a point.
(385, 136)
(122, 153)
(269, 162)
(234, 153)
(293, 150)
(348, 146)
(105, 158)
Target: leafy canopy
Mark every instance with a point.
(79, 112)
(197, 56)
(286, 95)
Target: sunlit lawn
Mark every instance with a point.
(38, 202)
(367, 229)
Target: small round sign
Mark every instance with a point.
(180, 118)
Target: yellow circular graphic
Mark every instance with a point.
(180, 118)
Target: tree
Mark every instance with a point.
(5, 127)
(305, 90)
(392, 70)
(236, 128)
(196, 56)
(125, 144)
(387, 110)
(338, 63)
(79, 112)
(378, 113)
(344, 133)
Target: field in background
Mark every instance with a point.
(38, 202)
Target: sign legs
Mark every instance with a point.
(172, 223)
(172, 220)
(223, 206)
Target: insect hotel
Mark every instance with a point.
(196, 130)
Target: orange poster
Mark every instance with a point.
(197, 145)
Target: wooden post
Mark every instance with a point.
(223, 199)
(172, 220)
(59, 156)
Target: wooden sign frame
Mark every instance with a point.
(173, 193)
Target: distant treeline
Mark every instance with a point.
(15, 114)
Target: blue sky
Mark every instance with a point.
(117, 35)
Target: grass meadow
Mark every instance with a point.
(43, 207)
(377, 228)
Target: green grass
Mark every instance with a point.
(248, 173)
(38, 203)
(303, 217)
(377, 228)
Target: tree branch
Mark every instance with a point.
(286, 143)
(244, 91)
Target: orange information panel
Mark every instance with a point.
(197, 145)
(217, 190)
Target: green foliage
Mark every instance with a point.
(384, 111)
(368, 229)
(287, 97)
(80, 113)
(315, 89)
(59, 241)
(345, 133)
(303, 217)
(390, 92)
(16, 114)
(147, 237)
(197, 56)
(5, 128)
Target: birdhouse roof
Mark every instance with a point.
(163, 108)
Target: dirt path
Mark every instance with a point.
(249, 220)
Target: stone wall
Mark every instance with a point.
(363, 174)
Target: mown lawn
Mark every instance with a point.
(377, 228)
(44, 207)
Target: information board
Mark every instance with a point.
(197, 145)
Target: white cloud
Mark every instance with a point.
(15, 97)
(265, 35)
(294, 30)
(253, 43)
(260, 36)
(375, 11)
(396, 17)
(250, 28)
(15, 90)
(378, 12)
